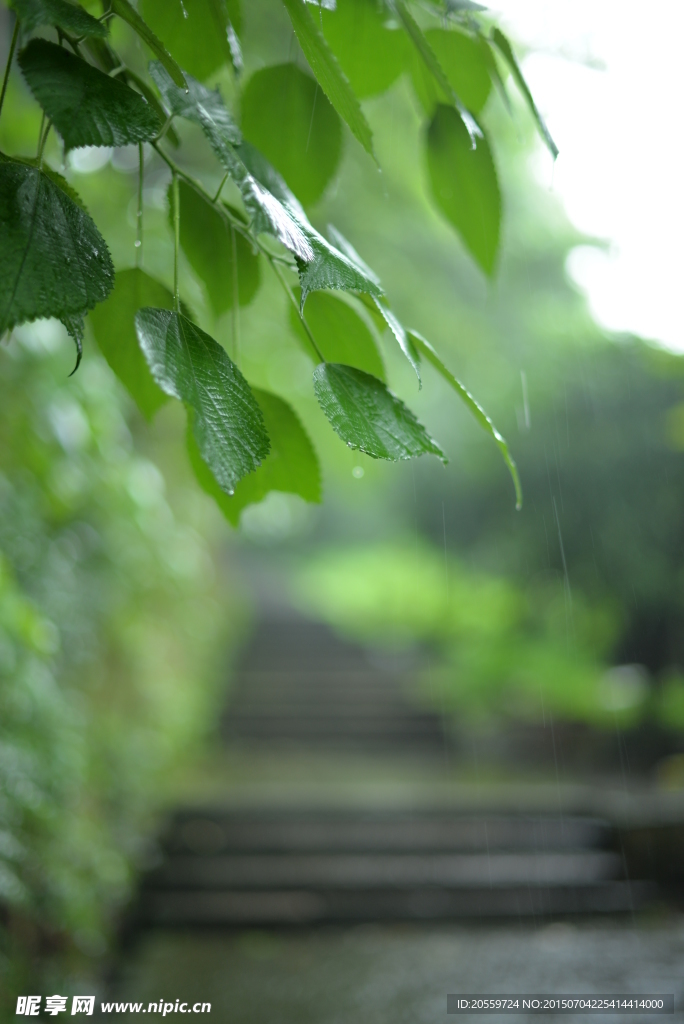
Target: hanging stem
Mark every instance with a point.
(176, 239)
(139, 215)
(10, 56)
(224, 179)
(236, 299)
(43, 140)
(279, 275)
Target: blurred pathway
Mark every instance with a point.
(338, 802)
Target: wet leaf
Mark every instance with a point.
(203, 106)
(464, 62)
(87, 107)
(289, 119)
(67, 16)
(207, 240)
(196, 32)
(465, 185)
(371, 55)
(506, 50)
(401, 337)
(368, 417)
(429, 59)
(113, 325)
(291, 466)
(188, 364)
(425, 348)
(142, 29)
(325, 267)
(340, 332)
(53, 260)
(328, 72)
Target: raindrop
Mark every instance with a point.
(357, 472)
(185, 13)
(138, 243)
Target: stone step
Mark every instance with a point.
(387, 871)
(213, 832)
(274, 907)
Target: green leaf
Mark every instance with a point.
(340, 333)
(506, 50)
(465, 65)
(432, 65)
(328, 73)
(289, 119)
(371, 55)
(188, 364)
(113, 325)
(291, 467)
(197, 32)
(203, 106)
(87, 107)
(67, 16)
(323, 267)
(53, 260)
(473, 405)
(401, 337)
(143, 30)
(208, 240)
(465, 185)
(368, 417)
(75, 328)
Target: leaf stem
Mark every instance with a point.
(220, 188)
(309, 334)
(139, 215)
(236, 299)
(176, 240)
(43, 140)
(10, 57)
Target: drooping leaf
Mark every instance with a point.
(188, 364)
(368, 417)
(87, 107)
(203, 106)
(432, 65)
(328, 72)
(463, 60)
(128, 14)
(53, 260)
(209, 243)
(285, 114)
(371, 54)
(506, 50)
(465, 185)
(425, 348)
(113, 325)
(291, 467)
(75, 328)
(340, 333)
(402, 338)
(67, 16)
(196, 32)
(325, 267)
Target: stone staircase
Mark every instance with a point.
(264, 866)
(300, 684)
(288, 860)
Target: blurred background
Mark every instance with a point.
(411, 654)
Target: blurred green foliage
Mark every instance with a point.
(111, 622)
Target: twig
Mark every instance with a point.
(10, 56)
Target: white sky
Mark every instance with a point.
(619, 131)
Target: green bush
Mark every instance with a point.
(110, 621)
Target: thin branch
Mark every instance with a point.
(176, 240)
(10, 57)
(236, 299)
(294, 302)
(224, 179)
(139, 214)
